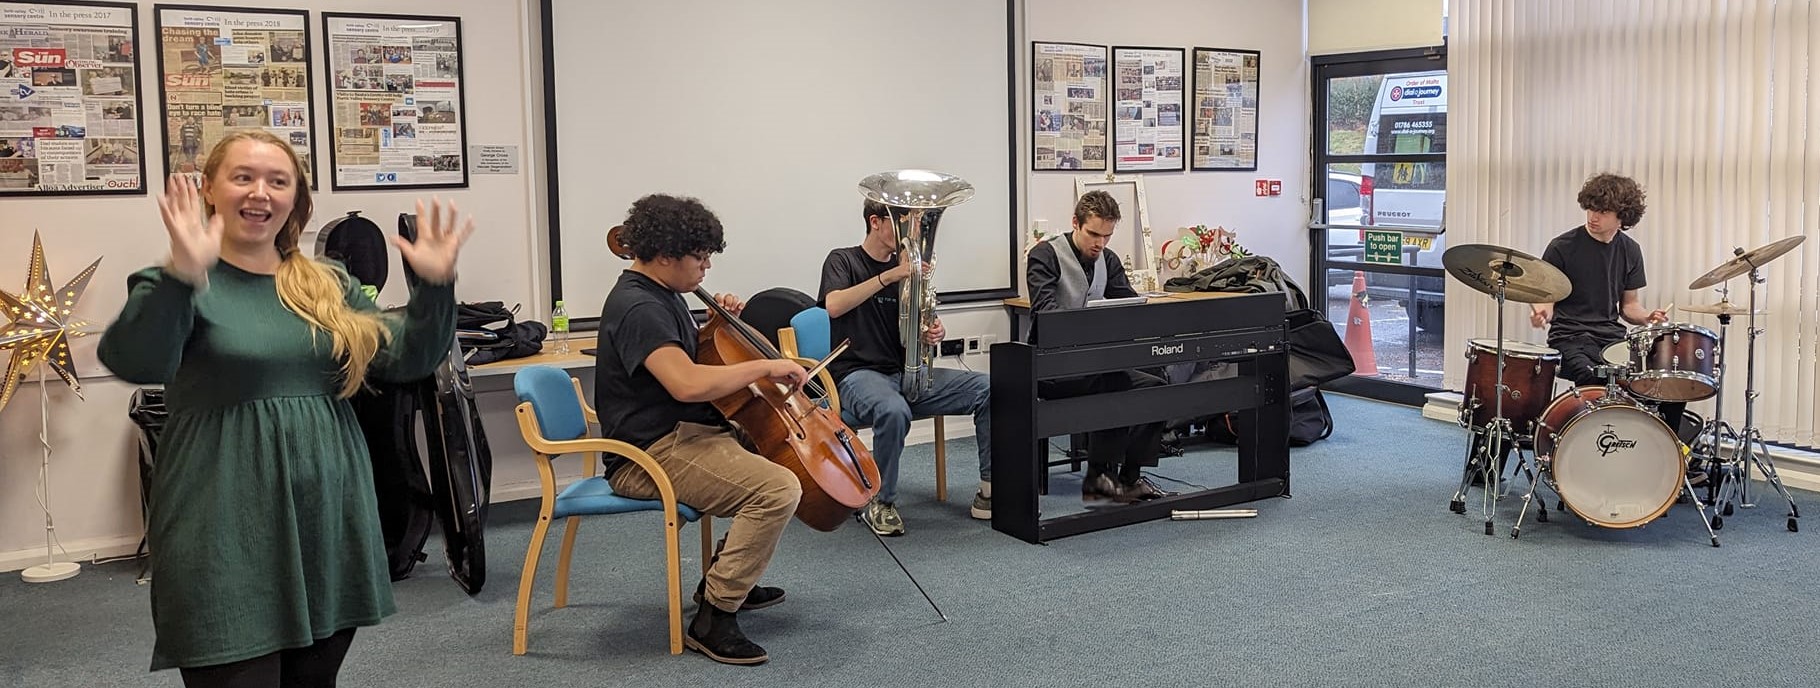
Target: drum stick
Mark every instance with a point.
(1180, 515)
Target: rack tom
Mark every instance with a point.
(1673, 362)
(1528, 377)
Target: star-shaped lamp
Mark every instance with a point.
(39, 322)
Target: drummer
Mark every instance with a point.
(1605, 267)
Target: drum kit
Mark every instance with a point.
(1602, 449)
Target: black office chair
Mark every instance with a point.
(771, 310)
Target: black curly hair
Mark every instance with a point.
(666, 226)
(1606, 192)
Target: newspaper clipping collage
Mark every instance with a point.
(227, 71)
(69, 102)
(1160, 121)
(1147, 110)
(1069, 87)
(1226, 109)
(72, 112)
(396, 105)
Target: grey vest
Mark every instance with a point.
(1071, 286)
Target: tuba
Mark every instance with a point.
(915, 199)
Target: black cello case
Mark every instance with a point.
(455, 489)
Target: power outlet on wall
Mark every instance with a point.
(953, 347)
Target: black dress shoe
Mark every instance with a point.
(716, 634)
(1103, 489)
(758, 598)
(1143, 489)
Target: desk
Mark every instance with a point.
(1019, 306)
(574, 359)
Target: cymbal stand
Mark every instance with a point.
(1716, 432)
(1750, 448)
(1498, 436)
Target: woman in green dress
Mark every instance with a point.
(264, 535)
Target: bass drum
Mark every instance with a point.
(1614, 463)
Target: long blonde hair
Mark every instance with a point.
(315, 291)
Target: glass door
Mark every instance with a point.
(1378, 233)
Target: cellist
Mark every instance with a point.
(650, 392)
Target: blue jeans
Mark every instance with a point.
(872, 398)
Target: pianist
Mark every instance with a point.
(1066, 272)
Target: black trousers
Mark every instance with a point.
(1132, 447)
(315, 666)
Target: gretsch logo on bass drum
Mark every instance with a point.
(1609, 442)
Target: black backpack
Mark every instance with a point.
(488, 332)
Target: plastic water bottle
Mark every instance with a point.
(559, 328)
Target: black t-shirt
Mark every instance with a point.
(640, 316)
(871, 327)
(1600, 274)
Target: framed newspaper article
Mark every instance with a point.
(396, 109)
(1147, 125)
(1225, 106)
(225, 69)
(70, 111)
(1068, 106)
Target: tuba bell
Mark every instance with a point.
(915, 200)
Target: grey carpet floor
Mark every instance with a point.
(1363, 578)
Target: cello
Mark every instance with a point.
(784, 425)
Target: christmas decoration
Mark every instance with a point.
(39, 324)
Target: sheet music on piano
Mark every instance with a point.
(1122, 301)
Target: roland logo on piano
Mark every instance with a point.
(1167, 349)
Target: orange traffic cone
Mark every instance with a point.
(1358, 330)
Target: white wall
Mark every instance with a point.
(94, 472)
(1348, 26)
(1273, 226)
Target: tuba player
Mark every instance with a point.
(860, 288)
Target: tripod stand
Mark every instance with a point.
(1498, 438)
(1748, 446)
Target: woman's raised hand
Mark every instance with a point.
(438, 243)
(195, 242)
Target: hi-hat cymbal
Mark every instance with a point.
(1527, 279)
(1721, 308)
(1746, 261)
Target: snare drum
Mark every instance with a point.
(1673, 362)
(1529, 378)
(1613, 462)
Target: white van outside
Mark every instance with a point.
(1409, 116)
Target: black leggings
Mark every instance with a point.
(306, 667)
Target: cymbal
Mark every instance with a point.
(1746, 261)
(1527, 279)
(1721, 308)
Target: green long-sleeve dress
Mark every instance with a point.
(263, 529)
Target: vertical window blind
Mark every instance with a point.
(1708, 104)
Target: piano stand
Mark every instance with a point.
(1247, 331)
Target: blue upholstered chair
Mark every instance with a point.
(554, 417)
(809, 337)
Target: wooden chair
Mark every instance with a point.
(553, 416)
